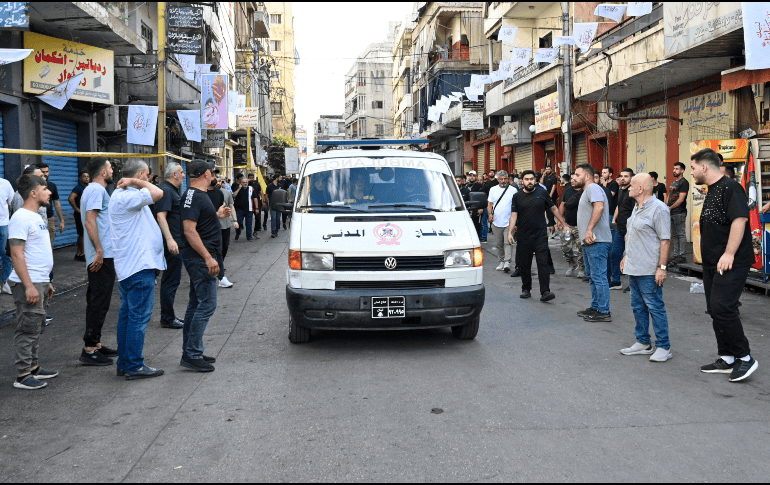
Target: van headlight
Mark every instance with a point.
(317, 261)
(458, 258)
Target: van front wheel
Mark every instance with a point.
(467, 331)
(297, 333)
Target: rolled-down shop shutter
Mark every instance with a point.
(2, 145)
(581, 151)
(523, 157)
(480, 160)
(492, 155)
(63, 136)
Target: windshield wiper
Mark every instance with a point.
(412, 206)
(331, 206)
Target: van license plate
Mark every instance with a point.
(388, 307)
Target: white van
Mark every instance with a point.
(382, 239)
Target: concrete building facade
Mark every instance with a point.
(328, 127)
(284, 56)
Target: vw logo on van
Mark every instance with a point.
(390, 263)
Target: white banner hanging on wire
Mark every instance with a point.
(611, 11)
(546, 55)
(637, 9)
(584, 34)
(187, 63)
(240, 109)
(756, 34)
(520, 56)
(8, 56)
(191, 123)
(506, 68)
(142, 122)
(507, 34)
(560, 40)
(61, 93)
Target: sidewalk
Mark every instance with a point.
(67, 274)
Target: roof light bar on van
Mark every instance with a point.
(374, 143)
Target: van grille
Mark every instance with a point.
(389, 285)
(403, 263)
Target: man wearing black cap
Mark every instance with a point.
(201, 249)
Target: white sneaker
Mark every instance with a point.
(507, 267)
(500, 267)
(7, 289)
(572, 271)
(225, 283)
(638, 349)
(661, 355)
(581, 274)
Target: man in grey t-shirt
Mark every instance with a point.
(594, 227)
(647, 245)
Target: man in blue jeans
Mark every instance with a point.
(623, 211)
(594, 227)
(649, 238)
(201, 249)
(138, 251)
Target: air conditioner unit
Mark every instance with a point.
(108, 119)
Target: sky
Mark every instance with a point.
(329, 37)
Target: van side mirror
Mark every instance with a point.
(476, 200)
(285, 207)
(278, 200)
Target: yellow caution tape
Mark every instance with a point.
(58, 153)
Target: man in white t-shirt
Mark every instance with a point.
(32, 289)
(499, 210)
(6, 197)
(137, 245)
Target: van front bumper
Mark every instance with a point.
(352, 309)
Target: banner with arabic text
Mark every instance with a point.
(56, 60)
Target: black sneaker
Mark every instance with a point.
(145, 372)
(743, 369)
(94, 358)
(80, 257)
(208, 359)
(525, 294)
(547, 296)
(273, 235)
(284, 227)
(627, 289)
(120, 372)
(177, 324)
(199, 365)
(237, 235)
(718, 367)
(586, 312)
(552, 270)
(586, 279)
(616, 286)
(516, 273)
(108, 352)
(598, 317)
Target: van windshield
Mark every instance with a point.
(375, 189)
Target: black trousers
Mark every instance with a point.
(722, 295)
(525, 248)
(550, 259)
(169, 283)
(98, 296)
(225, 242)
(265, 214)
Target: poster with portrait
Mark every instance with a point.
(214, 101)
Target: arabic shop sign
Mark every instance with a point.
(185, 42)
(56, 60)
(185, 17)
(691, 24)
(547, 115)
(713, 110)
(14, 15)
(214, 139)
(240, 156)
(250, 118)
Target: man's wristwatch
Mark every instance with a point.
(663, 267)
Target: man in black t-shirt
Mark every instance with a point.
(658, 189)
(622, 212)
(275, 216)
(201, 248)
(528, 209)
(54, 203)
(727, 255)
(570, 239)
(676, 200)
(243, 196)
(169, 215)
(474, 185)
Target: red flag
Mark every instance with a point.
(749, 183)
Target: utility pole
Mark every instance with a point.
(567, 91)
(250, 157)
(162, 82)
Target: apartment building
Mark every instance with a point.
(284, 57)
(328, 127)
(368, 91)
(403, 118)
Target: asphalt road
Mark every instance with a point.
(540, 395)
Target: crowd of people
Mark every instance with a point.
(627, 224)
(607, 225)
(128, 231)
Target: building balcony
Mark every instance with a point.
(261, 24)
(91, 23)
